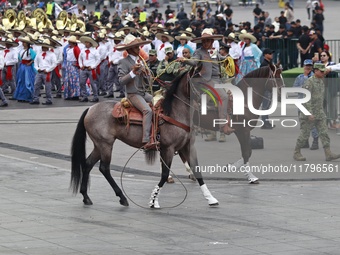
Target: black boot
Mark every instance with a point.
(306, 145)
(315, 144)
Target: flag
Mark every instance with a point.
(73, 9)
(57, 9)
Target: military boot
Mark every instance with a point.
(297, 155)
(222, 138)
(211, 136)
(315, 144)
(306, 145)
(329, 155)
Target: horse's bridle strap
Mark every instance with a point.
(174, 122)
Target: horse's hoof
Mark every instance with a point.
(155, 207)
(254, 182)
(170, 180)
(214, 205)
(87, 201)
(124, 202)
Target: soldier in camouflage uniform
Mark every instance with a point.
(318, 117)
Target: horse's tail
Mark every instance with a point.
(150, 157)
(78, 154)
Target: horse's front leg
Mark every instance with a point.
(190, 153)
(166, 155)
(187, 167)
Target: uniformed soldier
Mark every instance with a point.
(153, 63)
(317, 118)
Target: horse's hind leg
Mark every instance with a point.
(190, 153)
(105, 170)
(90, 162)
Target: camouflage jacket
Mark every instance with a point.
(316, 87)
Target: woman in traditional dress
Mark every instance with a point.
(72, 83)
(183, 39)
(250, 56)
(26, 72)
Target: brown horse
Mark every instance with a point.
(260, 80)
(103, 129)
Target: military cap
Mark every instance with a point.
(319, 66)
(152, 52)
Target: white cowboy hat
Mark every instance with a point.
(207, 33)
(46, 43)
(131, 41)
(26, 39)
(73, 39)
(53, 40)
(131, 29)
(9, 41)
(183, 37)
(89, 39)
(249, 36)
(129, 18)
(166, 34)
(188, 31)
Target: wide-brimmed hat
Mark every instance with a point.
(207, 33)
(188, 31)
(183, 37)
(53, 40)
(131, 29)
(166, 34)
(232, 36)
(89, 39)
(22, 32)
(131, 41)
(98, 24)
(46, 43)
(154, 29)
(145, 34)
(249, 36)
(129, 18)
(73, 39)
(9, 41)
(118, 36)
(26, 39)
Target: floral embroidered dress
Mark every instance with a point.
(72, 83)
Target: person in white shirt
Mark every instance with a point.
(3, 98)
(10, 62)
(146, 36)
(114, 57)
(166, 42)
(44, 62)
(89, 59)
(56, 76)
(102, 68)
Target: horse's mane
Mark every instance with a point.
(169, 95)
(262, 72)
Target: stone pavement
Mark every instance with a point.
(39, 215)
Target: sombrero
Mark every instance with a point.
(131, 41)
(207, 33)
(132, 30)
(98, 24)
(158, 27)
(188, 31)
(183, 37)
(232, 36)
(53, 40)
(73, 39)
(145, 34)
(26, 39)
(249, 36)
(9, 41)
(22, 32)
(129, 18)
(166, 34)
(118, 36)
(46, 43)
(89, 39)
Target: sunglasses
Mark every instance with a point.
(323, 55)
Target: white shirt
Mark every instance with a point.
(234, 50)
(59, 54)
(192, 45)
(48, 63)
(115, 56)
(93, 58)
(11, 57)
(36, 48)
(147, 48)
(102, 50)
(2, 63)
(23, 54)
(70, 55)
(216, 45)
(161, 52)
(335, 68)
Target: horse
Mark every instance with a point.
(176, 135)
(270, 77)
